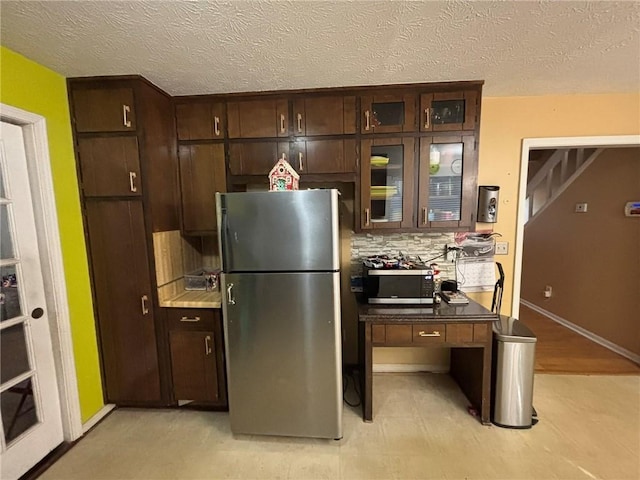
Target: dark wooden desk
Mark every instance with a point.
(464, 328)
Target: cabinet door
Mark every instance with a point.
(202, 173)
(447, 182)
(256, 158)
(200, 121)
(324, 116)
(122, 291)
(388, 114)
(324, 156)
(104, 110)
(386, 183)
(258, 118)
(110, 166)
(193, 365)
(441, 112)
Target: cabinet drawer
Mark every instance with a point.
(398, 334)
(460, 333)
(480, 332)
(378, 333)
(191, 318)
(428, 334)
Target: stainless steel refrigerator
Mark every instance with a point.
(280, 287)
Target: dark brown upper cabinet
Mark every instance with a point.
(110, 166)
(324, 156)
(258, 118)
(324, 116)
(201, 121)
(256, 158)
(202, 173)
(386, 183)
(104, 110)
(447, 183)
(390, 113)
(449, 111)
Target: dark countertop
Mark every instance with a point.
(473, 311)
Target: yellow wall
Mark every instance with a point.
(29, 86)
(506, 121)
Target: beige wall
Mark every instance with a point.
(506, 121)
(587, 257)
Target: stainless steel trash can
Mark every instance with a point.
(514, 347)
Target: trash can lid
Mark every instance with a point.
(509, 329)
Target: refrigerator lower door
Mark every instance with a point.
(284, 357)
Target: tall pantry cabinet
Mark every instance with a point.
(124, 132)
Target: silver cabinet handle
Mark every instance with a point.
(435, 333)
(230, 299)
(424, 215)
(427, 118)
(216, 126)
(126, 109)
(367, 116)
(299, 123)
(132, 184)
(207, 345)
(300, 164)
(282, 127)
(367, 216)
(190, 319)
(143, 300)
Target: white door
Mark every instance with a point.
(31, 417)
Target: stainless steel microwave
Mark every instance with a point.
(397, 286)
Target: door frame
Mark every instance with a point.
(529, 144)
(34, 129)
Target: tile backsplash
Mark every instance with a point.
(424, 245)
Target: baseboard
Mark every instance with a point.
(408, 368)
(93, 421)
(585, 333)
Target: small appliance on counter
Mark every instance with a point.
(397, 280)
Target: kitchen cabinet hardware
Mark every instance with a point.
(367, 216)
(216, 126)
(299, 116)
(427, 118)
(143, 300)
(367, 118)
(207, 345)
(300, 165)
(435, 333)
(424, 215)
(126, 109)
(132, 185)
(189, 319)
(282, 125)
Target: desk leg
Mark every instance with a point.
(366, 364)
(485, 414)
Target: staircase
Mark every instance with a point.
(551, 172)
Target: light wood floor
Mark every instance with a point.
(561, 350)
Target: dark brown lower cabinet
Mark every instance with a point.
(197, 356)
(122, 289)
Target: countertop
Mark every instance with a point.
(194, 299)
(473, 311)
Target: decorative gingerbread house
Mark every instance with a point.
(283, 176)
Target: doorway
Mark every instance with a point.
(40, 404)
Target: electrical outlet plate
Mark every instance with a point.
(502, 248)
(581, 207)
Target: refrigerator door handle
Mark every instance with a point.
(230, 299)
(224, 233)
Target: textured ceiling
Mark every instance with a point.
(518, 48)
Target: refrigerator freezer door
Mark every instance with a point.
(284, 357)
(279, 231)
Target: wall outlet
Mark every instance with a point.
(581, 208)
(502, 248)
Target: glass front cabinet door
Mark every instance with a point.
(442, 112)
(447, 182)
(386, 183)
(388, 114)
